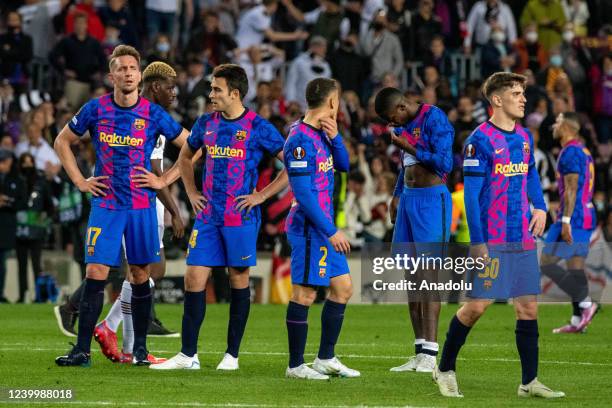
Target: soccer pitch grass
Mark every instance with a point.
(373, 339)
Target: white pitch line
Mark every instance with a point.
(358, 356)
(204, 404)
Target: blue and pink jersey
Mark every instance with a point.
(311, 156)
(123, 138)
(432, 135)
(576, 159)
(500, 180)
(233, 150)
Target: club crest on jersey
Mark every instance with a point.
(299, 153)
(240, 135)
(526, 147)
(416, 133)
(139, 124)
(488, 284)
(322, 272)
(90, 250)
(470, 151)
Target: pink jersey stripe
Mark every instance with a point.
(139, 196)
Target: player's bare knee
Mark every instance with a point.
(196, 278)
(239, 277)
(97, 271)
(341, 294)
(303, 295)
(472, 311)
(526, 309)
(139, 274)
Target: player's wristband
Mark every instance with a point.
(566, 220)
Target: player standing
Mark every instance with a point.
(425, 136)
(569, 237)
(159, 84)
(313, 150)
(124, 128)
(500, 178)
(228, 217)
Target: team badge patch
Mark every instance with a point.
(470, 150)
(240, 135)
(322, 272)
(416, 133)
(526, 147)
(139, 124)
(299, 153)
(90, 250)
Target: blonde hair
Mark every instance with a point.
(158, 71)
(121, 51)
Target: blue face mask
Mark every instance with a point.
(163, 47)
(556, 60)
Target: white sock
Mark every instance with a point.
(128, 325)
(114, 316)
(586, 303)
(575, 320)
(431, 346)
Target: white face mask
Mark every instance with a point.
(568, 36)
(531, 36)
(498, 36)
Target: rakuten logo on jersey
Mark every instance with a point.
(218, 152)
(511, 169)
(115, 140)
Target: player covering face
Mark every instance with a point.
(124, 129)
(234, 140)
(313, 150)
(500, 182)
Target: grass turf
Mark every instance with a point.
(374, 338)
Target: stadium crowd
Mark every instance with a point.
(53, 58)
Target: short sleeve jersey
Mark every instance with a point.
(123, 138)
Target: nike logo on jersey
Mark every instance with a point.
(245, 257)
(498, 151)
(209, 132)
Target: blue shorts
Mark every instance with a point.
(216, 245)
(424, 219)
(106, 230)
(510, 274)
(314, 261)
(556, 246)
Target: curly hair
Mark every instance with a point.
(157, 71)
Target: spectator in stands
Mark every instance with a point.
(327, 20)
(15, 52)
(439, 57)
(81, 59)
(384, 50)
(483, 16)
(111, 38)
(161, 16)
(549, 75)
(44, 156)
(560, 104)
(357, 208)
(530, 53)
(577, 13)
(161, 50)
(306, 67)
(424, 26)
(195, 85)
(368, 10)
(32, 221)
(209, 44)
(12, 199)
(95, 28)
(537, 99)
(601, 75)
(548, 15)
(497, 54)
(255, 25)
(575, 61)
(465, 120)
(348, 66)
(398, 19)
(261, 63)
(38, 23)
(118, 14)
(453, 16)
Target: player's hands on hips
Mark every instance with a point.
(249, 201)
(147, 179)
(197, 200)
(566, 233)
(178, 228)
(538, 222)
(330, 127)
(94, 186)
(393, 209)
(340, 242)
(480, 251)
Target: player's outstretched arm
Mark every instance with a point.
(62, 144)
(258, 197)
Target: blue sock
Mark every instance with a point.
(239, 313)
(455, 338)
(90, 308)
(141, 313)
(194, 310)
(331, 323)
(527, 345)
(297, 328)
